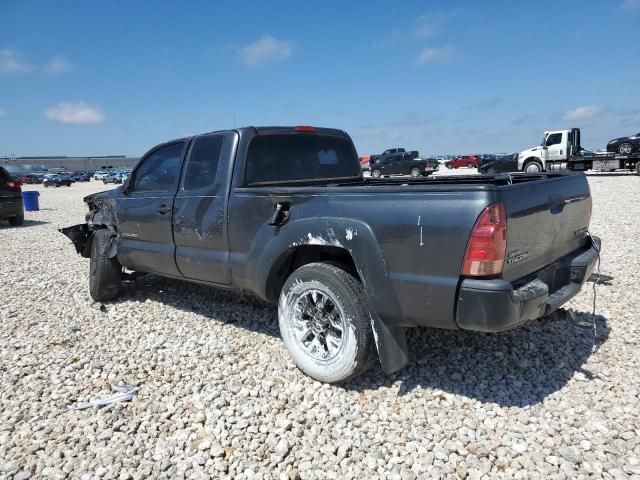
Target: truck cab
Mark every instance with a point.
(389, 151)
(556, 146)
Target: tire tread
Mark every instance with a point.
(366, 350)
(105, 284)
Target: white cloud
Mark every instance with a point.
(79, 113)
(584, 112)
(58, 64)
(10, 62)
(266, 48)
(630, 5)
(434, 55)
(431, 24)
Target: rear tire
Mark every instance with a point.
(491, 171)
(470, 165)
(17, 221)
(376, 173)
(449, 166)
(325, 323)
(625, 148)
(104, 273)
(415, 172)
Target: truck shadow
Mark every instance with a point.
(516, 368)
(601, 278)
(27, 223)
(228, 307)
(610, 174)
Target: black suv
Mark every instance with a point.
(403, 164)
(10, 199)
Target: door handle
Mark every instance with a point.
(281, 215)
(163, 209)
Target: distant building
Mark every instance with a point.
(70, 163)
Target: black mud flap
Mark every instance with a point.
(391, 343)
(79, 235)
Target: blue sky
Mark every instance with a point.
(117, 77)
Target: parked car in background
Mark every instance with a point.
(469, 161)
(116, 177)
(492, 164)
(11, 207)
(393, 152)
(32, 179)
(625, 145)
(57, 181)
(100, 174)
(80, 177)
(402, 164)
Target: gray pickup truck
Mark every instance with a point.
(285, 214)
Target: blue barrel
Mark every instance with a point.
(31, 203)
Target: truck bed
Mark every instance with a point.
(411, 234)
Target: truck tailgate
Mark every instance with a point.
(546, 220)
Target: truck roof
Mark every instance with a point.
(274, 130)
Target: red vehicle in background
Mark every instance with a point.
(469, 161)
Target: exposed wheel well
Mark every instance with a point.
(530, 160)
(304, 255)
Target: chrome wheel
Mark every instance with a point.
(318, 324)
(533, 167)
(415, 172)
(625, 149)
(376, 174)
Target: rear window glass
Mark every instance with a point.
(286, 158)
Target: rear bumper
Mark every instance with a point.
(10, 207)
(495, 305)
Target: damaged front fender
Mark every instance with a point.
(82, 237)
(101, 215)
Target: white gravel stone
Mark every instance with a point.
(219, 397)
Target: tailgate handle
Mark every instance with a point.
(557, 202)
(575, 198)
(281, 215)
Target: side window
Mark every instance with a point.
(159, 171)
(554, 139)
(202, 165)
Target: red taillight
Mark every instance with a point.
(487, 243)
(13, 184)
(305, 128)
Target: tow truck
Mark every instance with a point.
(560, 150)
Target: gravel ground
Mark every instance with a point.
(218, 395)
